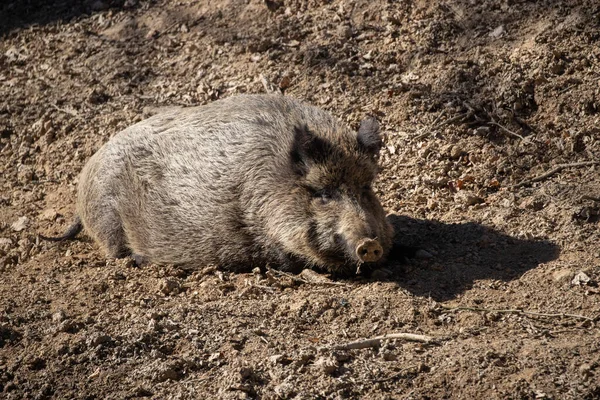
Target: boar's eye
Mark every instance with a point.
(325, 196)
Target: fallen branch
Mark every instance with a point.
(298, 279)
(268, 86)
(504, 129)
(518, 311)
(443, 123)
(421, 133)
(553, 171)
(72, 113)
(376, 341)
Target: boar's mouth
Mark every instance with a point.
(340, 253)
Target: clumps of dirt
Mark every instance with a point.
(490, 113)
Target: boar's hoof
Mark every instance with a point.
(369, 250)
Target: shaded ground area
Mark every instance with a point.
(490, 113)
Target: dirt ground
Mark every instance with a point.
(481, 103)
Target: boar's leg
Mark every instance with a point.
(108, 231)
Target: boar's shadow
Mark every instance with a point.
(462, 254)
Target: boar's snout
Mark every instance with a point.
(369, 250)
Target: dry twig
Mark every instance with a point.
(298, 279)
(70, 112)
(268, 85)
(520, 312)
(504, 129)
(553, 171)
(443, 123)
(376, 341)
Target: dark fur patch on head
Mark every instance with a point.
(308, 149)
(368, 136)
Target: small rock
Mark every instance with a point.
(561, 275)
(21, 224)
(285, 390)
(5, 243)
(499, 31)
(276, 359)
(558, 68)
(312, 276)
(455, 152)
(585, 370)
(59, 316)
(285, 82)
(388, 356)
(423, 254)
(37, 364)
(246, 372)
(98, 339)
(342, 356)
(67, 326)
(49, 215)
(25, 175)
(170, 286)
(381, 274)
(468, 198)
(344, 31)
(581, 279)
(327, 365)
(167, 372)
(532, 203)
(157, 354)
(482, 130)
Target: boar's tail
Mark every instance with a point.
(73, 231)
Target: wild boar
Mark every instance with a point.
(247, 181)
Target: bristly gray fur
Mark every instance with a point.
(218, 184)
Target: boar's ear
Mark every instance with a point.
(368, 136)
(307, 149)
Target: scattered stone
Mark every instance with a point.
(167, 372)
(5, 244)
(36, 364)
(467, 198)
(286, 389)
(498, 32)
(388, 355)
(170, 286)
(456, 152)
(312, 276)
(327, 365)
(562, 275)
(97, 339)
(585, 370)
(246, 372)
(49, 215)
(423, 254)
(59, 316)
(581, 279)
(381, 274)
(20, 224)
(532, 203)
